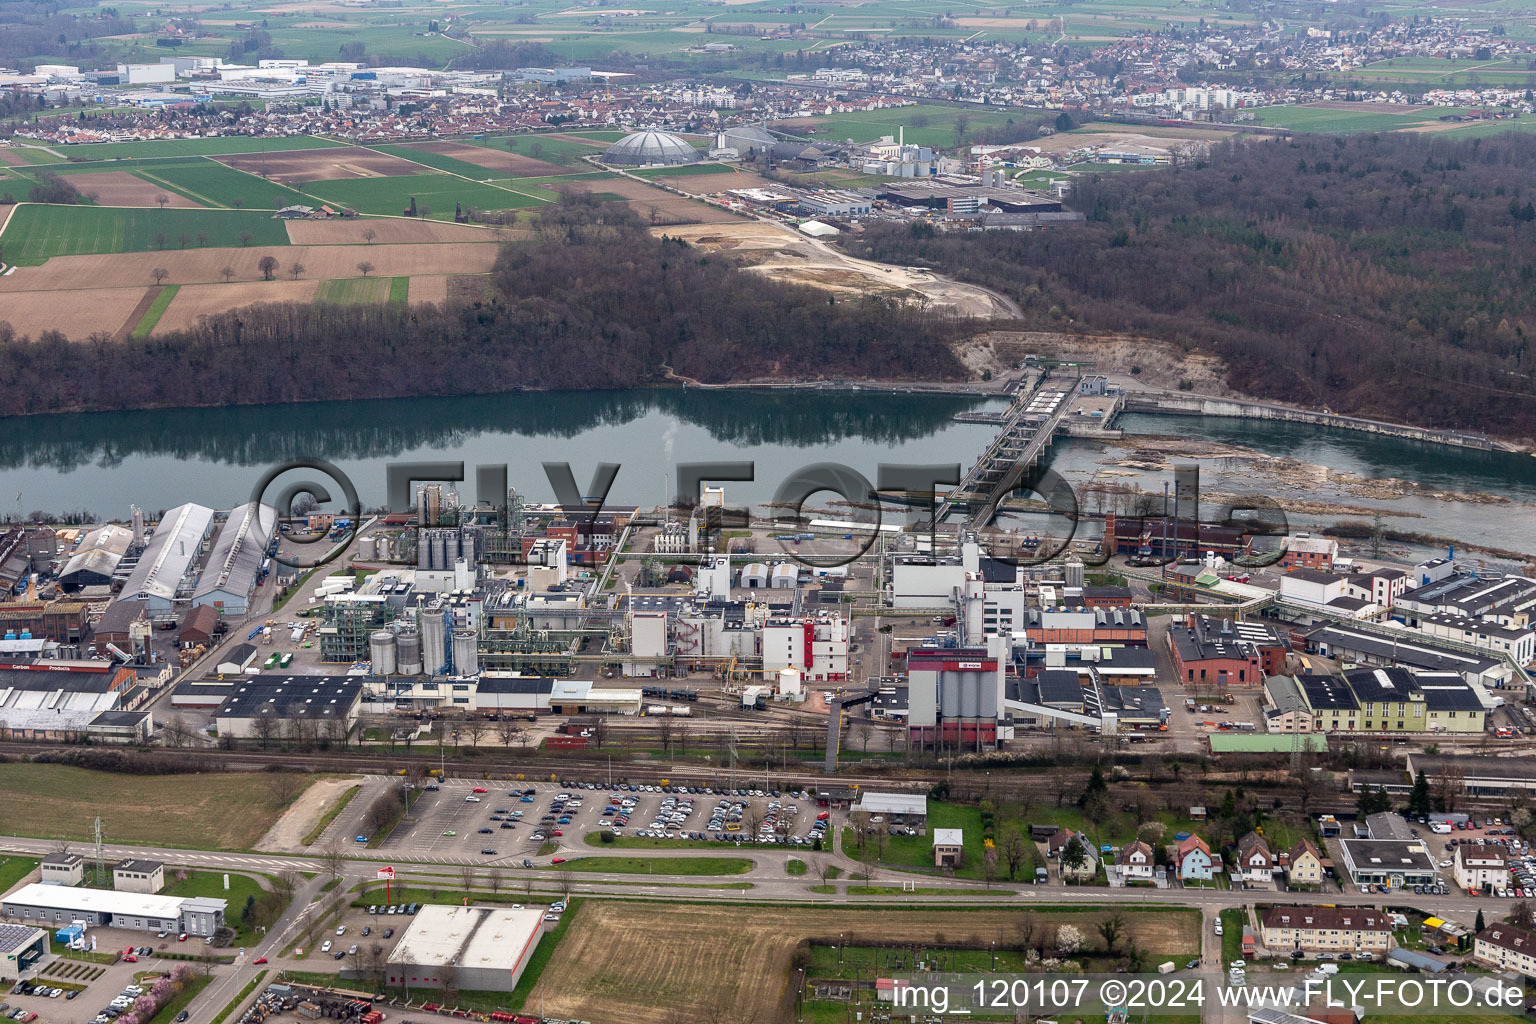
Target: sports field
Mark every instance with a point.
(641, 961)
(36, 233)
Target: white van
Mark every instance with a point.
(1440, 828)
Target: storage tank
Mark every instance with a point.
(1074, 572)
(989, 709)
(381, 648)
(970, 696)
(466, 661)
(434, 646)
(408, 653)
(949, 694)
(367, 548)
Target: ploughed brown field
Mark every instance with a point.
(643, 961)
(322, 164)
(195, 300)
(385, 231)
(119, 188)
(499, 160)
(428, 289)
(200, 266)
(83, 312)
(643, 199)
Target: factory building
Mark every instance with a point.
(96, 558)
(229, 580)
(955, 695)
(167, 569)
(485, 949)
(268, 708)
(100, 908)
(817, 647)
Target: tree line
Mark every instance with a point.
(1391, 276)
(594, 301)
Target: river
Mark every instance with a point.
(1502, 484)
(104, 462)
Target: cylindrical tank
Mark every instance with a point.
(439, 557)
(367, 548)
(989, 698)
(970, 695)
(949, 694)
(381, 648)
(408, 653)
(466, 660)
(434, 641)
(1074, 571)
(384, 548)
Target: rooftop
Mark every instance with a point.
(468, 937)
(104, 901)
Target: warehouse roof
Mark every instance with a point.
(171, 552)
(468, 937)
(236, 557)
(293, 697)
(894, 803)
(107, 901)
(99, 551)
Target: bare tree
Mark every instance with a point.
(159, 274)
(474, 728)
(1013, 850)
(296, 269)
(566, 881)
(177, 732)
(162, 199)
(448, 979)
(506, 731)
(467, 876)
(331, 859)
(365, 268)
(229, 273)
(267, 265)
(265, 728)
(369, 235)
(283, 787)
(664, 730)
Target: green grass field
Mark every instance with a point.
(1348, 122)
(155, 311)
(214, 184)
(36, 233)
(219, 146)
(438, 192)
(925, 124)
(170, 1010)
(399, 290)
(14, 869)
(211, 883)
(355, 290)
(660, 865)
(227, 811)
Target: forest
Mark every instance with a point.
(1390, 276)
(594, 301)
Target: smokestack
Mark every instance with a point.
(901, 135)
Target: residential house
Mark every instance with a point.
(1306, 865)
(1352, 929)
(1506, 948)
(1476, 866)
(1192, 858)
(1255, 862)
(1057, 844)
(1136, 862)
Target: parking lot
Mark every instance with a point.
(95, 985)
(505, 823)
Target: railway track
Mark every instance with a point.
(584, 768)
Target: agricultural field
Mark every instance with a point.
(698, 958)
(119, 188)
(203, 811)
(1440, 73)
(297, 167)
(217, 146)
(36, 233)
(926, 124)
(474, 161)
(384, 230)
(438, 193)
(211, 183)
(355, 290)
(1351, 118)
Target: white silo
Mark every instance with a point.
(434, 640)
(408, 653)
(381, 648)
(466, 661)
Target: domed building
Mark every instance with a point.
(746, 140)
(650, 148)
